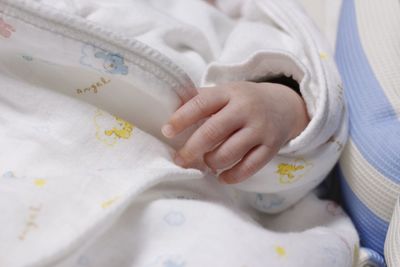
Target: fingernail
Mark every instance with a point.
(168, 131)
(179, 161)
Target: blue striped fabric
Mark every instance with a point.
(371, 228)
(374, 130)
(374, 126)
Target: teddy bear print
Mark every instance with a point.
(267, 202)
(102, 60)
(292, 171)
(113, 63)
(111, 129)
(123, 130)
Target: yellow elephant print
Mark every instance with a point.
(111, 129)
(290, 172)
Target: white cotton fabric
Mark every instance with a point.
(81, 187)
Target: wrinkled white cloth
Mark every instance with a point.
(81, 187)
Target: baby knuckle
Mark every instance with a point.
(211, 162)
(254, 132)
(199, 103)
(188, 154)
(211, 132)
(248, 169)
(272, 143)
(225, 156)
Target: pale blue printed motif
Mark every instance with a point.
(174, 218)
(167, 261)
(8, 174)
(102, 60)
(268, 202)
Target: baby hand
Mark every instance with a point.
(247, 123)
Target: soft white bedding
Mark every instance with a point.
(81, 187)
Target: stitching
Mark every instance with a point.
(143, 57)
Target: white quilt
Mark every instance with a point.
(81, 187)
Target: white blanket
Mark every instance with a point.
(81, 187)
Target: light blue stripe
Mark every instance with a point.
(370, 227)
(374, 258)
(374, 125)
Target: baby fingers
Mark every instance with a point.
(249, 165)
(233, 149)
(213, 131)
(206, 103)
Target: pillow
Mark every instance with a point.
(368, 58)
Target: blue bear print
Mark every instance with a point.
(113, 63)
(8, 174)
(102, 60)
(267, 202)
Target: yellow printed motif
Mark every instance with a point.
(290, 172)
(323, 55)
(111, 129)
(280, 251)
(285, 169)
(109, 202)
(124, 129)
(40, 182)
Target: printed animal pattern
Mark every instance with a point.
(124, 129)
(289, 172)
(113, 63)
(8, 174)
(111, 129)
(6, 29)
(102, 60)
(268, 202)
